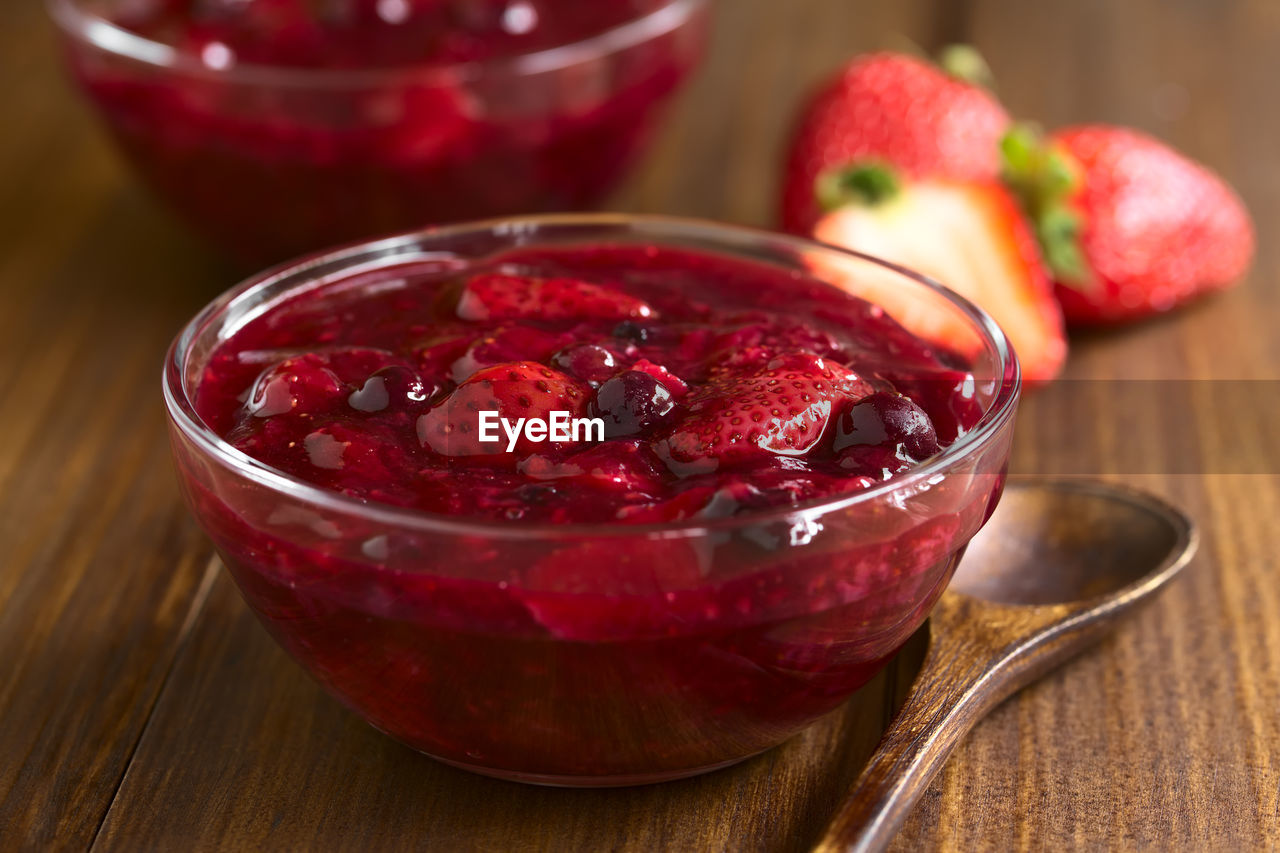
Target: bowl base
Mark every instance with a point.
(547, 780)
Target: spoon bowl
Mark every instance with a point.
(1082, 540)
(1057, 565)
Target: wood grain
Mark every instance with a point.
(141, 706)
(1058, 566)
(1166, 739)
(100, 564)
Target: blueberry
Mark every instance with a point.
(876, 462)
(631, 403)
(630, 330)
(887, 419)
(590, 363)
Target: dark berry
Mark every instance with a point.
(876, 462)
(393, 386)
(372, 396)
(536, 493)
(630, 330)
(631, 403)
(887, 419)
(590, 363)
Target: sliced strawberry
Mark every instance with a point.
(1129, 226)
(314, 382)
(518, 390)
(755, 344)
(923, 120)
(968, 235)
(495, 296)
(782, 409)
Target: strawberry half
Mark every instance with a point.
(1129, 227)
(782, 409)
(313, 383)
(896, 109)
(522, 389)
(968, 235)
(495, 296)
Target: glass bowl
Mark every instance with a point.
(270, 161)
(442, 632)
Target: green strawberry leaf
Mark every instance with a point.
(864, 183)
(1045, 179)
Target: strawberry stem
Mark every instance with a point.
(868, 184)
(965, 63)
(1045, 179)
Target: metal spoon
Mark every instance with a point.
(1055, 568)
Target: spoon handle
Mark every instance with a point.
(965, 673)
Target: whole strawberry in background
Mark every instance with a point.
(901, 160)
(898, 110)
(1129, 227)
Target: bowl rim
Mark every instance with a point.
(370, 254)
(101, 33)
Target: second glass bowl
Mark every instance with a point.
(270, 162)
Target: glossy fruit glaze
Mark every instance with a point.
(597, 657)
(717, 398)
(290, 125)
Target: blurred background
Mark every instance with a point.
(141, 704)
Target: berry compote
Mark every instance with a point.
(280, 126)
(680, 589)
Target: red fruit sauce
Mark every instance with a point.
(589, 659)
(288, 125)
(343, 386)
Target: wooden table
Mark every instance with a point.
(142, 706)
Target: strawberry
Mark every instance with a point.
(496, 296)
(966, 234)
(1130, 227)
(313, 383)
(899, 110)
(780, 409)
(522, 389)
(757, 343)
